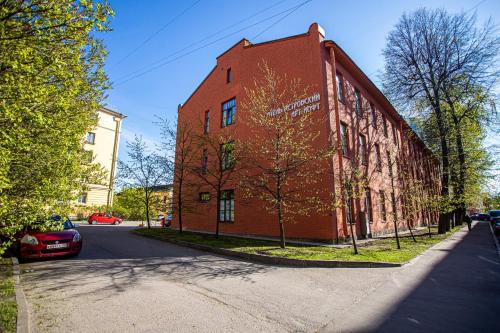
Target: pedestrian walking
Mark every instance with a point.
(468, 220)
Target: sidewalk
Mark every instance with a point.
(452, 287)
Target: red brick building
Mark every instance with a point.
(363, 122)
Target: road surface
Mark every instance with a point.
(122, 282)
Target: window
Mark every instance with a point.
(358, 105)
(204, 161)
(368, 205)
(82, 199)
(206, 126)
(204, 196)
(348, 208)
(340, 87)
(226, 206)
(229, 75)
(344, 139)
(362, 149)
(389, 163)
(383, 214)
(227, 158)
(394, 206)
(91, 138)
(378, 160)
(384, 123)
(228, 112)
(374, 115)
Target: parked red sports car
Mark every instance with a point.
(33, 243)
(103, 218)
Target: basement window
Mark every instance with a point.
(204, 196)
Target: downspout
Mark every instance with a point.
(113, 161)
(331, 165)
(337, 128)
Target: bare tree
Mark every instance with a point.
(181, 145)
(425, 53)
(357, 138)
(282, 163)
(217, 166)
(143, 169)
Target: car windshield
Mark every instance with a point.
(495, 213)
(68, 224)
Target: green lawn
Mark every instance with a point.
(379, 250)
(8, 306)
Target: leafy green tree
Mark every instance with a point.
(129, 205)
(491, 201)
(429, 55)
(52, 83)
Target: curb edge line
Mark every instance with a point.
(23, 317)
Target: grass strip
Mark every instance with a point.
(8, 305)
(377, 250)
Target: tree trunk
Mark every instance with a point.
(217, 219)
(411, 231)
(396, 232)
(353, 239)
(429, 218)
(461, 214)
(444, 218)
(461, 173)
(282, 227)
(443, 224)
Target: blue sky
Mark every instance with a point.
(147, 31)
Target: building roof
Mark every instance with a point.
(345, 59)
(113, 113)
(161, 188)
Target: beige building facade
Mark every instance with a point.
(103, 141)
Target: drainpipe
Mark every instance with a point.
(113, 161)
(337, 128)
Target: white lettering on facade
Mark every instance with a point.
(301, 106)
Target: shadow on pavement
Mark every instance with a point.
(113, 259)
(460, 294)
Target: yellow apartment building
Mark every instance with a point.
(103, 141)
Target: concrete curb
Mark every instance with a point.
(23, 319)
(495, 239)
(280, 261)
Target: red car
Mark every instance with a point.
(103, 218)
(37, 244)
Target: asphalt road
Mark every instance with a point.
(125, 283)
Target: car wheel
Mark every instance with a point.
(116, 222)
(94, 222)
